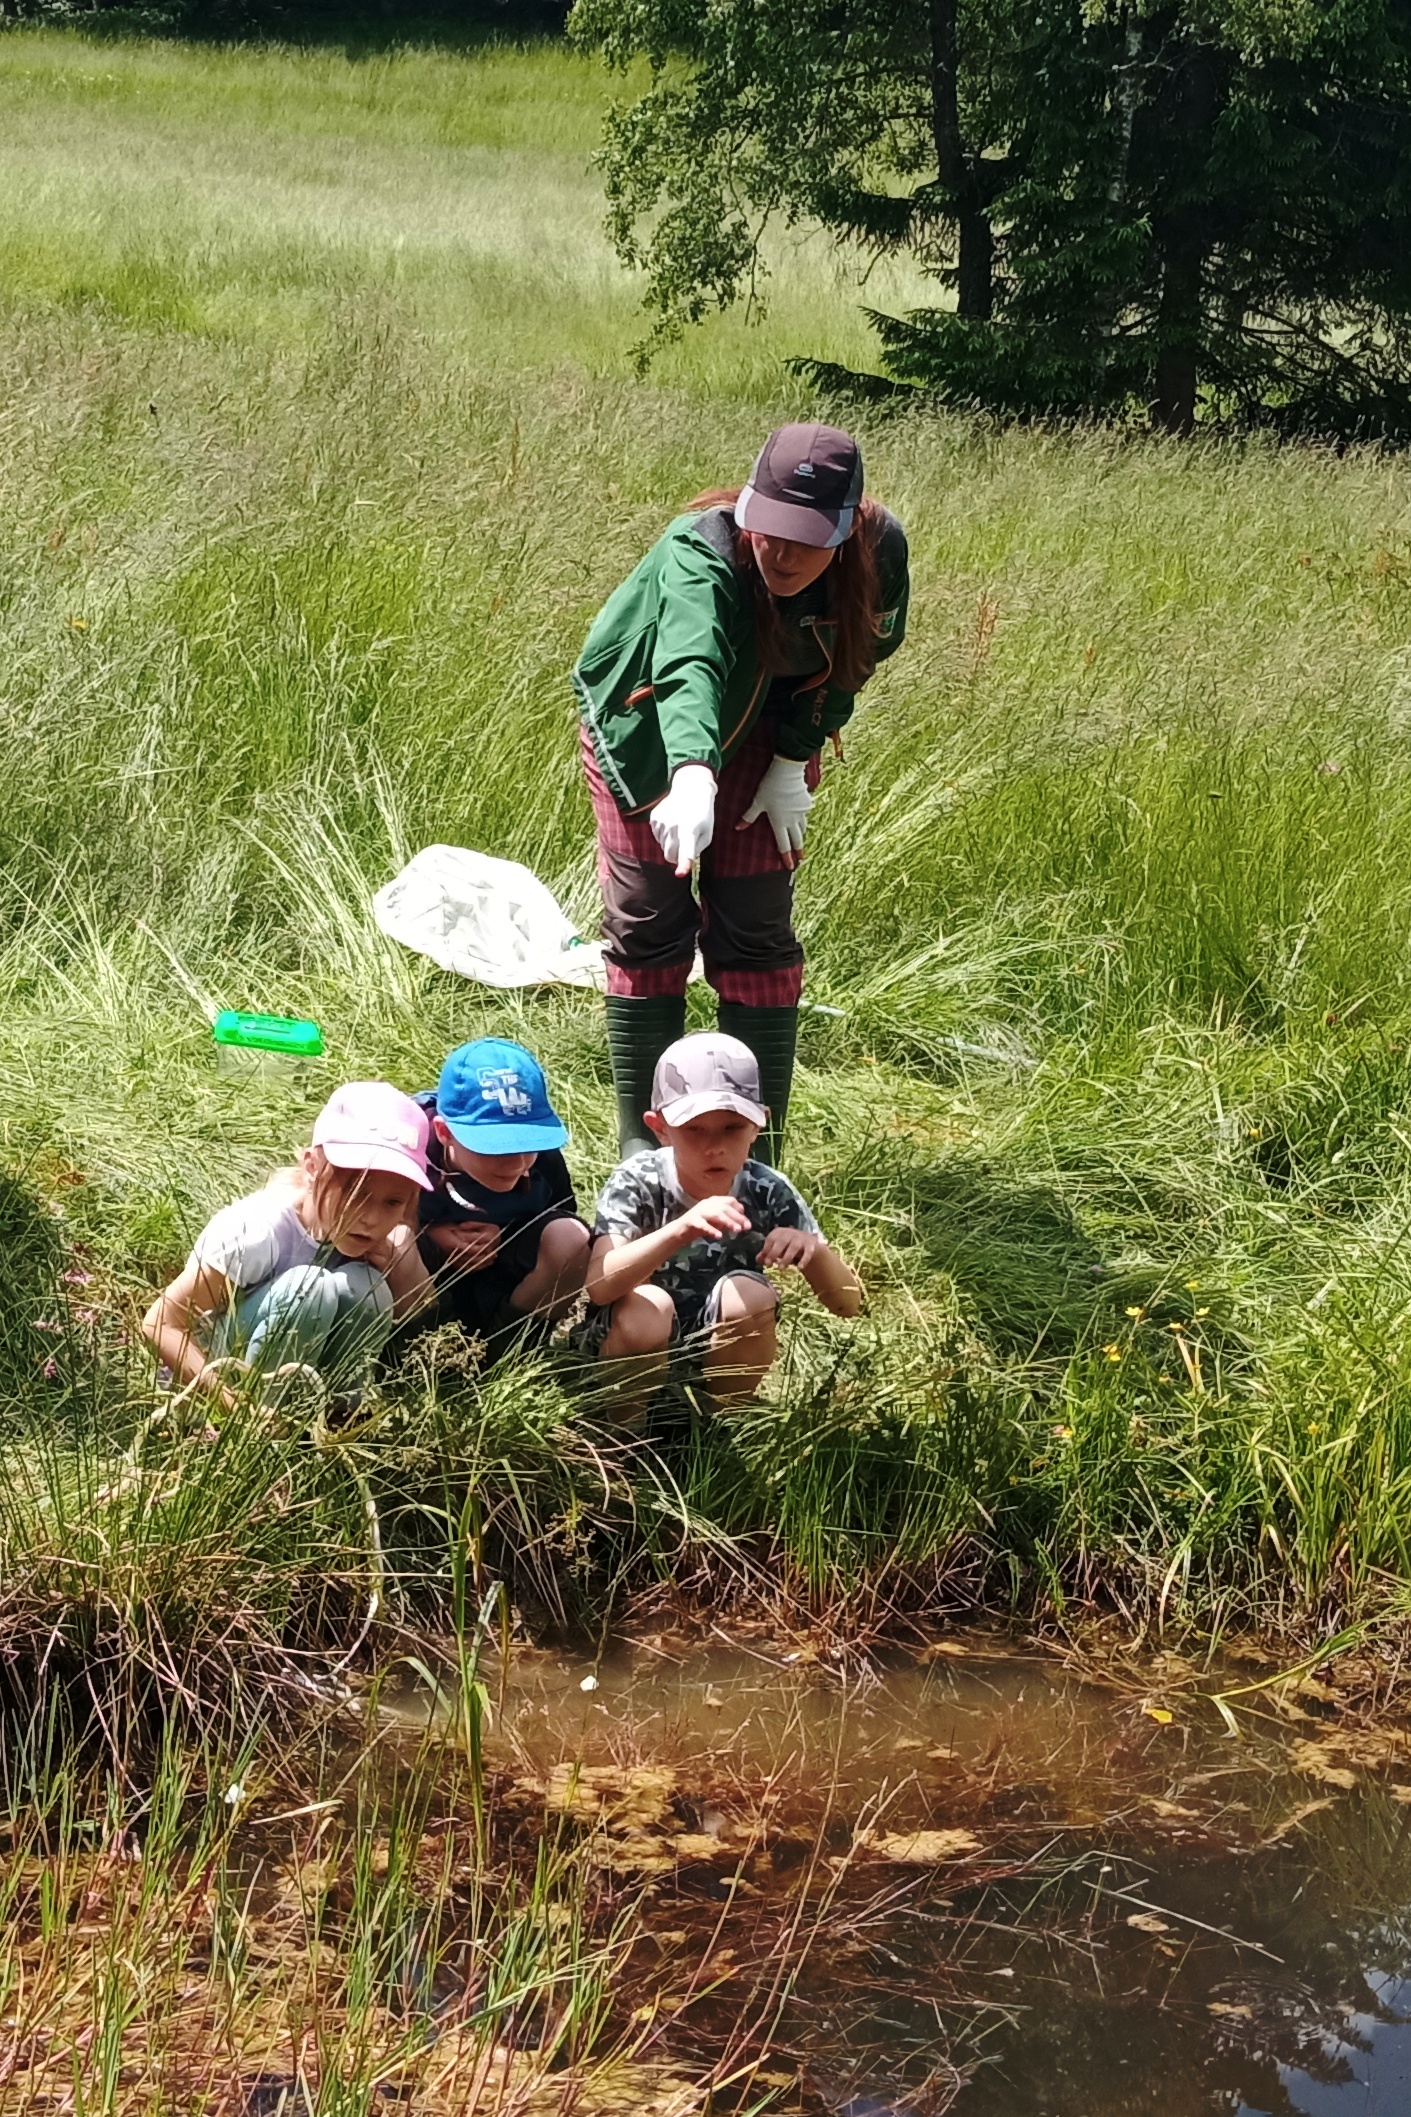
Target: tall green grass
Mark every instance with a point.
(321, 445)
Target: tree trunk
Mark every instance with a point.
(975, 280)
(1179, 320)
(1184, 240)
(1128, 90)
(1177, 374)
(956, 170)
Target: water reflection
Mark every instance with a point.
(1367, 2066)
(1142, 1916)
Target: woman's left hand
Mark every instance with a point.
(784, 798)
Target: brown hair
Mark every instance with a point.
(855, 595)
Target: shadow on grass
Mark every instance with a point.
(33, 1332)
(1029, 1276)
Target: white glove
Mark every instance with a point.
(785, 800)
(683, 821)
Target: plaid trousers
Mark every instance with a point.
(744, 916)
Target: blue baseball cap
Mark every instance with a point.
(495, 1099)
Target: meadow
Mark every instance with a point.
(322, 442)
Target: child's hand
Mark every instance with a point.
(471, 1246)
(383, 1255)
(212, 1383)
(710, 1218)
(790, 1248)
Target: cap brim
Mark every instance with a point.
(508, 1139)
(685, 1107)
(822, 527)
(385, 1159)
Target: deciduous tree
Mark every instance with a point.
(1192, 205)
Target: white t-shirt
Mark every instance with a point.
(255, 1239)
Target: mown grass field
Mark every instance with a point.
(321, 445)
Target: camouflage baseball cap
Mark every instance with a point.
(707, 1072)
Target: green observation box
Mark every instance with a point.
(259, 1038)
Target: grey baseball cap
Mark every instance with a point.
(707, 1072)
(806, 485)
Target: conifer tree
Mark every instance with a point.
(1201, 207)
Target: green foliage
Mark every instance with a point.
(755, 114)
(1131, 812)
(361, 25)
(1138, 203)
(33, 1310)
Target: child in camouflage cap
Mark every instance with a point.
(686, 1232)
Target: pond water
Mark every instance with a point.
(1032, 1890)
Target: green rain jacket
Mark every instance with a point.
(669, 676)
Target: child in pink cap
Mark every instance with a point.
(316, 1268)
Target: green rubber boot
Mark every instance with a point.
(771, 1034)
(638, 1033)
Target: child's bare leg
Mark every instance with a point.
(744, 1341)
(559, 1271)
(635, 1349)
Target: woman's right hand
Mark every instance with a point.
(683, 821)
(709, 1219)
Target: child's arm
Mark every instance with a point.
(618, 1263)
(834, 1281)
(169, 1324)
(831, 1276)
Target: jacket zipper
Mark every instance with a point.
(743, 721)
(648, 691)
(644, 690)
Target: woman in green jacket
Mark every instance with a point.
(708, 684)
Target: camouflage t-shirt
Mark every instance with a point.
(642, 1195)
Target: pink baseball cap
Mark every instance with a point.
(372, 1125)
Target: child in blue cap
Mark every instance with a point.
(500, 1231)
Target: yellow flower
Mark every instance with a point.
(1137, 1312)
(1192, 1286)
(1202, 1312)
(1114, 1352)
(1315, 1426)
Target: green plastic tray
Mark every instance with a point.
(268, 1032)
